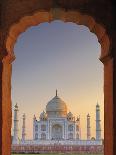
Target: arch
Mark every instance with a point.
(36, 136)
(43, 136)
(77, 136)
(70, 136)
(43, 127)
(57, 132)
(54, 14)
(106, 57)
(36, 127)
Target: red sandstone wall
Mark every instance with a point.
(57, 149)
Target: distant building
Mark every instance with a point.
(55, 124)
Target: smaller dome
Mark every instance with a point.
(69, 115)
(43, 116)
(93, 138)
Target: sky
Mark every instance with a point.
(62, 56)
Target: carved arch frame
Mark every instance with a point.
(67, 16)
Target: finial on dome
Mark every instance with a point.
(88, 115)
(97, 105)
(56, 92)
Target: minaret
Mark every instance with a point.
(15, 137)
(23, 128)
(34, 120)
(79, 130)
(88, 128)
(98, 125)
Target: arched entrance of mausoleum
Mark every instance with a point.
(57, 132)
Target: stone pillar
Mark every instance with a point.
(113, 130)
(23, 128)
(79, 131)
(16, 129)
(88, 128)
(109, 122)
(1, 133)
(6, 112)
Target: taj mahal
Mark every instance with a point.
(57, 126)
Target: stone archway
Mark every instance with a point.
(70, 136)
(43, 136)
(66, 16)
(57, 133)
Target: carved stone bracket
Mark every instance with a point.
(106, 58)
(8, 58)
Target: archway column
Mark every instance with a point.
(1, 134)
(114, 96)
(6, 69)
(108, 105)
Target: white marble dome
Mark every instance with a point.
(56, 107)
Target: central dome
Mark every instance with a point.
(56, 107)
